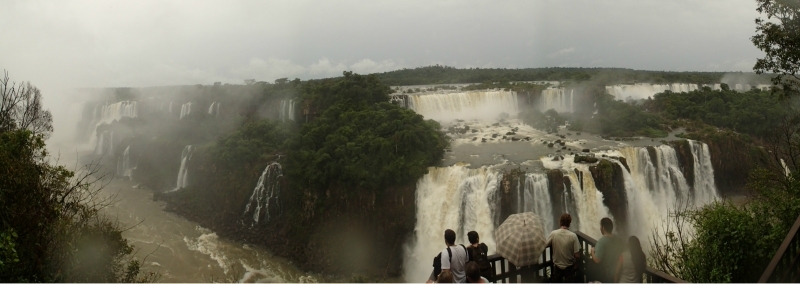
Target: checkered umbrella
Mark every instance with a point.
(520, 239)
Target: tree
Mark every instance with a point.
(51, 228)
(779, 37)
(21, 108)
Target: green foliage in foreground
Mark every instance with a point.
(722, 242)
(361, 141)
(56, 230)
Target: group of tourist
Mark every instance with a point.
(611, 259)
(459, 263)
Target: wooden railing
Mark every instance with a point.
(785, 265)
(508, 273)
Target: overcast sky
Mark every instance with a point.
(147, 43)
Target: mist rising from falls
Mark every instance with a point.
(186, 109)
(456, 198)
(267, 188)
(287, 110)
(482, 105)
(559, 99)
(183, 172)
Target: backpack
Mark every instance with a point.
(478, 255)
(437, 261)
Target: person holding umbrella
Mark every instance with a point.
(566, 250)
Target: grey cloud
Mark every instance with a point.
(59, 44)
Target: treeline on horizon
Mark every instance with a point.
(438, 74)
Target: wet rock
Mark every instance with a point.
(474, 131)
(550, 145)
(585, 150)
(494, 135)
(474, 138)
(514, 139)
(510, 133)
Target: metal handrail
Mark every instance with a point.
(538, 272)
(790, 237)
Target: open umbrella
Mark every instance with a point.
(520, 239)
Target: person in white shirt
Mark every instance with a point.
(457, 257)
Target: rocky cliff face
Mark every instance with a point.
(609, 180)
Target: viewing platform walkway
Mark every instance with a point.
(508, 273)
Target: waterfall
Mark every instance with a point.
(107, 114)
(213, 109)
(588, 202)
(183, 172)
(536, 198)
(105, 143)
(186, 109)
(287, 110)
(267, 188)
(705, 189)
(456, 198)
(786, 171)
(643, 91)
(654, 188)
(559, 99)
(483, 105)
(170, 107)
(124, 165)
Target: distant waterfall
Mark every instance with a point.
(213, 109)
(287, 110)
(558, 99)
(536, 198)
(183, 172)
(105, 143)
(107, 114)
(645, 90)
(124, 165)
(484, 105)
(454, 198)
(170, 107)
(186, 109)
(267, 188)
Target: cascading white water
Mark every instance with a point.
(705, 189)
(183, 172)
(213, 109)
(643, 91)
(536, 198)
(267, 188)
(186, 109)
(287, 110)
(456, 198)
(558, 99)
(482, 105)
(170, 107)
(786, 171)
(107, 114)
(656, 188)
(124, 165)
(588, 202)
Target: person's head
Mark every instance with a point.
(445, 277)
(449, 237)
(565, 220)
(473, 272)
(606, 226)
(473, 237)
(637, 255)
